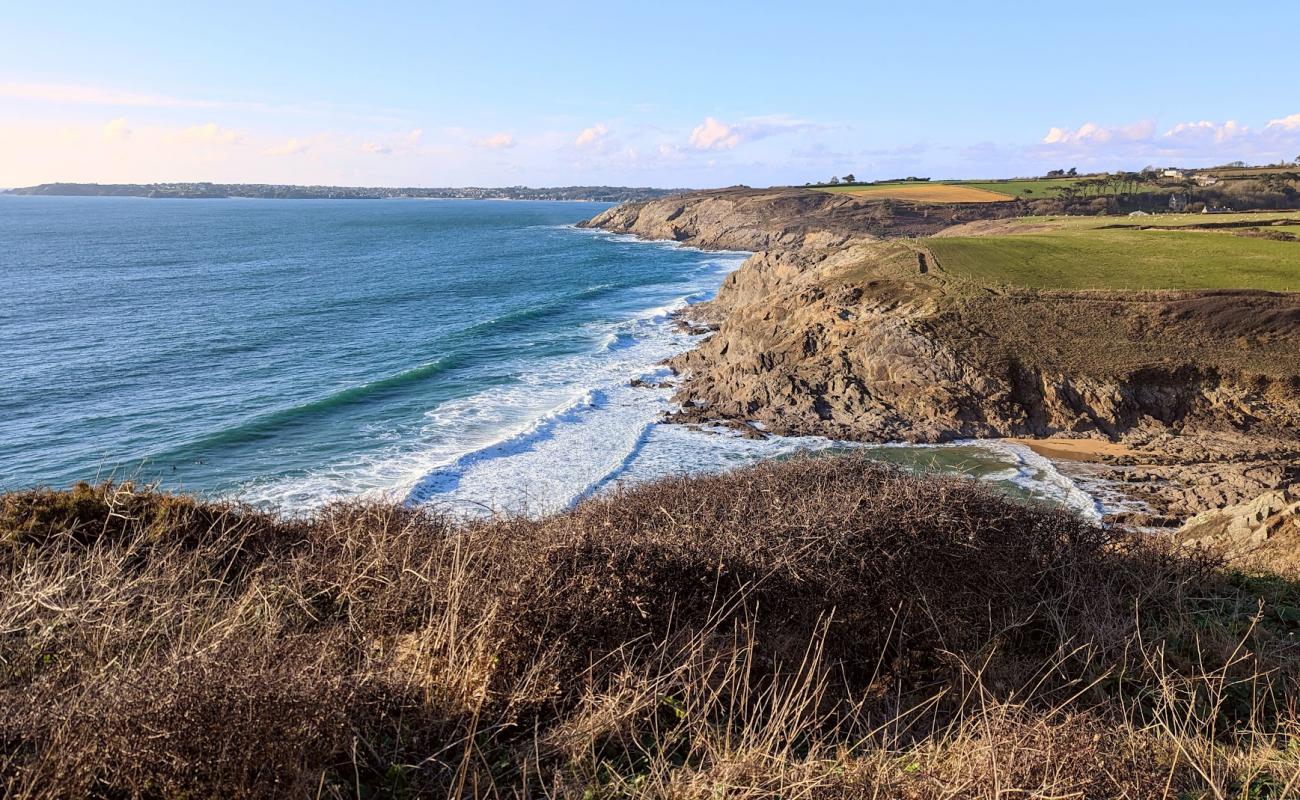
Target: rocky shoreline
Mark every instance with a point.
(843, 324)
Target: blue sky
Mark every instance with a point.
(667, 94)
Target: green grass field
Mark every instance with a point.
(1036, 224)
(1261, 217)
(1079, 258)
(1046, 187)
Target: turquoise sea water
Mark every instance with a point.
(473, 353)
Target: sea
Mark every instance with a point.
(475, 356)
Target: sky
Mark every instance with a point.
(670, 94)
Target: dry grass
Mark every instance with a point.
(820, 628)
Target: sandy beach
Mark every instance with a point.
(1074, 449)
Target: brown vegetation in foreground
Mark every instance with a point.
(822, 628)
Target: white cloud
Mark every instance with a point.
(293, 147)
(1190, 143)
(1055, 136)
(398, 143)
(714, 135)
(116, 131)
(670, 152)
(210, 134)
(1092, 133)
(1288, 123)
(1203, 140)
(1207, 130)
(497, 141)
(592, 135)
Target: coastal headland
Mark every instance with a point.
(804, 627)
(1171, 341)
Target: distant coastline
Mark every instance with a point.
(268, 191)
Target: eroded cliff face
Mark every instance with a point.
(803, 346)
(859, 344)
(783, 219)
(833, 328)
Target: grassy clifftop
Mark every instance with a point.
(819, 628)
(1178, 252)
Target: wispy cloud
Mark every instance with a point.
(398, 143)
(1205, 130)
(497, 141)
(116, 130)
(210, 134)
(592, 135)
(1191, 142)
(713, 134)
(1091, 132)
(293, 147)
(75, 94)
(669, 151)
(1287, 123)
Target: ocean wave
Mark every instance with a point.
(535, 461)
(554, 306)
(672, 244)
(664, 310)
(1039, 475)
(266, 424)
(616, 340)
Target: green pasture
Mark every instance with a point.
(1098, 258)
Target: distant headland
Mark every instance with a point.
(272, 191)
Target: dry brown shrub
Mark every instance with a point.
(828, 627)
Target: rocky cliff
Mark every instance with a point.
(842, 324)
(785, 219)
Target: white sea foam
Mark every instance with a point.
(1040, 476)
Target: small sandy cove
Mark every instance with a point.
(1075, 449)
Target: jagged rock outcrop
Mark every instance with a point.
(1264, 530)
(1251, 523)
(803, 351)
